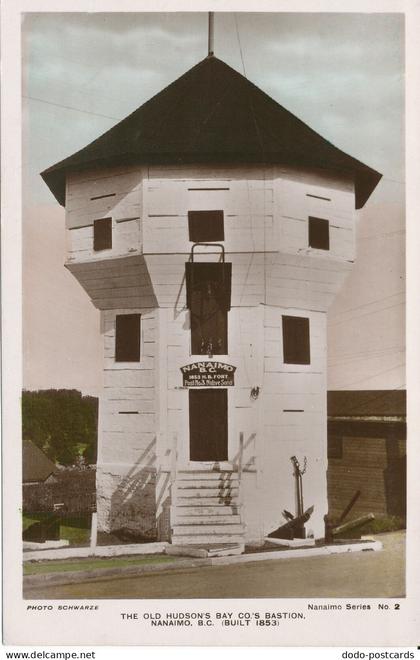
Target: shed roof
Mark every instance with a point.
(212, 114)
(36, 465)
(366, 402)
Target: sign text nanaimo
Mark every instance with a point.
(211, 374)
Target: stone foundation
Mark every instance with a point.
(127, 501)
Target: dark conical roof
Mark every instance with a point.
(212, 114)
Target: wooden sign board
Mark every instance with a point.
(208, 374)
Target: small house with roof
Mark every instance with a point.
(37, 468)
(212, 229)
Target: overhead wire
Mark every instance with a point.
(402, 182)
(381, 235)
(371, 302)
(350, 360)
(361, 316)
(248, 190)
(364, 355)
(68, 107)
(380, 353)
(239, 42)
(379, 373)
(368, 352)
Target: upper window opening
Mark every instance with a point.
(208, 299)
(319, 233)
(102, 234)
(206, 226)
(127, 338)
(296, 346)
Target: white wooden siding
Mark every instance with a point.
(244, 353)
(128, 406)
(201, 172)
(304, 281)
(83, 211)
(122, 282)
(168, 277)
(247, 204)
(301, 194)
(274, 272)
(125, 240)
(294, 420)
(266, 214)
(281, 280)
(264, 208)
(278, 483)
(285, 280)
(94, 195)
(294, 394)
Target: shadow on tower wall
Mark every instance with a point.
(132, 511)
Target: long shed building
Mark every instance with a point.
(212, 229)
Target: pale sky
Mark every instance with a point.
(340, 73)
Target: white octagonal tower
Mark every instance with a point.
(212, 229)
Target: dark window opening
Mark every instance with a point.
(335, 446)
(208, 299)
(326, 199)
(319, 233)
(296, 345)
(102, 234)
(205, 226)
(92, 199)
(127, 338)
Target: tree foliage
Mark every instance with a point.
(62, 423)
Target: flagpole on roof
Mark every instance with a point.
(211, 33)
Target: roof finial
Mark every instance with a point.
(211, 33)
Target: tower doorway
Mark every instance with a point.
(208, 424)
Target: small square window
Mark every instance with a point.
(205, 226)
(127, 338)
(319, 233)
(102, 234)
(296, 348)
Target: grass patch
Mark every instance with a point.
(76, 535)
(27, 521)
(385, 524)
(57, 566)
(379, 525)
(72, 529)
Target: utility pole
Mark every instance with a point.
(211, 33)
